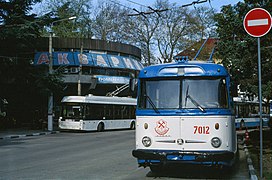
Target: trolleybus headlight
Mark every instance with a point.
(145, 125)
(216, 142)
(216, 126)
(146, 141)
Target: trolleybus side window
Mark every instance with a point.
(108, 110)
(99, 111)
(117, 112)
(94, 111)
(131, 112)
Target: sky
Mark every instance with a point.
(216, 4)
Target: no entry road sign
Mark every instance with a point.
(257, 22)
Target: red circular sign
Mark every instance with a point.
(257, 22)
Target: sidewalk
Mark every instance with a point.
(19, 133)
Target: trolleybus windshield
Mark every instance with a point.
(187, 93)
(72, 111)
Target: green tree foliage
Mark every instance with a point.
(24, 86)
(238, 50)
(62, 9)
(17, 21)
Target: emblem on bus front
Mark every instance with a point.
(161, 127)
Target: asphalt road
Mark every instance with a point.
(105, 155)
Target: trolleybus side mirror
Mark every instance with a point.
(132, 84)
(93, 83)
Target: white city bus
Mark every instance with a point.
(99, 113)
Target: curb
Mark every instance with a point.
(252, 172)
(28, 135)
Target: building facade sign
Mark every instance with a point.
(101, 79)
(88, 59)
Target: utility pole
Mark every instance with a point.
(50, 72)
(80, 70)
(50, 98)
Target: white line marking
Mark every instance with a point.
(257, 22)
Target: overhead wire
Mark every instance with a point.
(137, 3)
(157, 11)
(114, 2)
(194, 2)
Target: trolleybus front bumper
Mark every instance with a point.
(151, 157)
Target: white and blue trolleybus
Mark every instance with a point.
(184, 115)
(99, 113)
(247, 113)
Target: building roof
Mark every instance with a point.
(204, 53)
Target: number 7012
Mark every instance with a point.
(201, 130)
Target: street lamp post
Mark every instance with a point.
(50, 71)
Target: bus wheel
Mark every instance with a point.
(132, 125)
(100, 127)
(242, 124)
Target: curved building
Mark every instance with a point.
(91, 66)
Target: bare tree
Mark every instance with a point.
(109, 21)
(159, 35)
(205, 21)
(174, 25)
(143, 31)
(180, 28)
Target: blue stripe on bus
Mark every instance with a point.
(251, 124)
(142, 161)
(185, 112)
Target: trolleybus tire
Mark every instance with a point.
(242, 124)
(132, 125)
(100, 127)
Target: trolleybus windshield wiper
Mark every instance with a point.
(151, 103)
(193, 100)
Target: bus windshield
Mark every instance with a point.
(189, 93)
(71, 111)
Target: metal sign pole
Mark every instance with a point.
(258, 23)
(260, 104)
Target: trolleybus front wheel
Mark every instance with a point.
(242, 124)
(100, 127)
(132, 125)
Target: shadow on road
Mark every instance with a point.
(196, 172)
